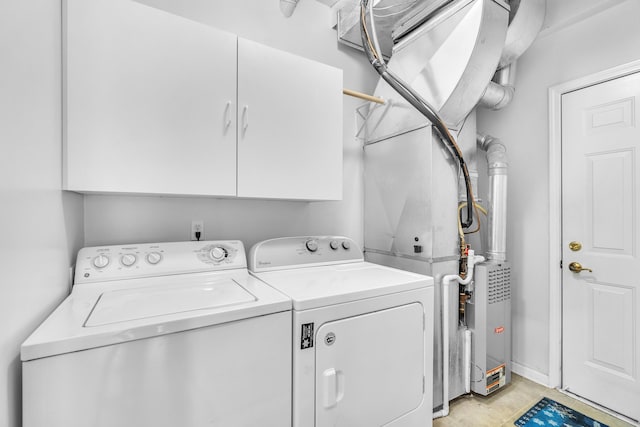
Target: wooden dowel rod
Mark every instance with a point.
(363, 96)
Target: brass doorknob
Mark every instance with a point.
(576, 267)
(575, 246)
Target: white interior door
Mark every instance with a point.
(370, 369)
(601, 323)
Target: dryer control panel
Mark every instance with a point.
(118, 262)
(288, 252)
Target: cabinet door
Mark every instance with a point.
(289, 125)
(150, 101)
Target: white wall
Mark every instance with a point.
(40, 227)
(119, 219)
(604, 40)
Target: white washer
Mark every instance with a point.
(362, 333)
(166, 334)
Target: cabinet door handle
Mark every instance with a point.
(245, 118)
(227, 120)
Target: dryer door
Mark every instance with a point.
(370, 368)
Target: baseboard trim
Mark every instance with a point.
(530, 374)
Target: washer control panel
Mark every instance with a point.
(104, 263)
(289, 252)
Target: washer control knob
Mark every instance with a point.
(346, 245)
(311, 245)
(128, 260)
(101, 261)
(333, 245)
(218, 253)
(154, 257)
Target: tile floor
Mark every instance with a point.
(506, 406)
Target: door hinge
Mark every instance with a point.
(560, 263)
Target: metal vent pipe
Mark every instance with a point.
(500, 91)
(525, 21)
(498, 164)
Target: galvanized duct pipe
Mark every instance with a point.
(525, 21)
(497, 163)
(500, 91)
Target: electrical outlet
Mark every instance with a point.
(197, 226)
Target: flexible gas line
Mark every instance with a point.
(462, 269)
(479, 207)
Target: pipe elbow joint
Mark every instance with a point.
(496, 152)
(497, 96)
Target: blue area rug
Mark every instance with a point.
(548, 412)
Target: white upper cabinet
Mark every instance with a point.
(151, 108)
(289, 125)
(150, 101)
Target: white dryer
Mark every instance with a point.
(362, 333)
(161, 335)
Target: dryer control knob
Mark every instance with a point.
(128, 260)
(101, 261)
(154, 258)
(346, 245)
(218, 253)
(311, 245)
(333, 245)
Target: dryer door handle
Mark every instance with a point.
(333, 387)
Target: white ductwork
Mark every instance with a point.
(498, 164)
(448, 61)
(525, 21)
(287, 7)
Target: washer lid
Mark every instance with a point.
(115, 312)
(131, 304)
(314, 287)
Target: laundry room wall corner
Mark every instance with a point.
(40, 226)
